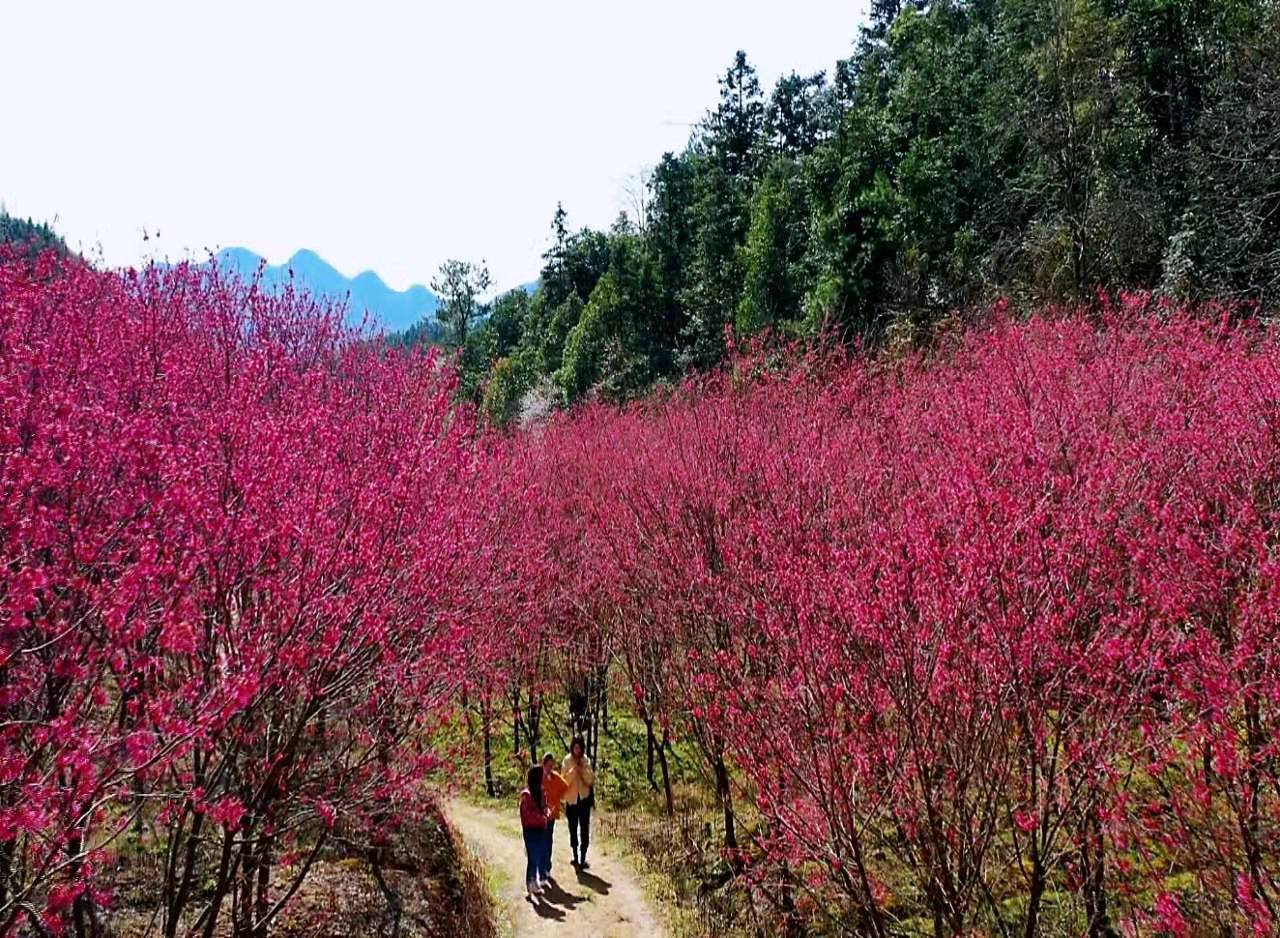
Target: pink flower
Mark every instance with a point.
(228, 812)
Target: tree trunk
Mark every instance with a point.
(225, 876)
(242, 896)
(515, 720)
(88, 924)
(1032, 925)
(486, 716)
(179, 896)
(1093, 870)
(649, 744)
(533, 727)
(604, 698)
(262, 890)
(1250, 822)
(725, 792)
(666, 774)
(6, 870)
(394, 906)
(792, 927)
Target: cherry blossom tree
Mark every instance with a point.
(238, 576)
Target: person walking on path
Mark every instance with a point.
(533, 822)
(553, 788)
(579, 799)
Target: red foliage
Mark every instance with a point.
(1003, 616)
(966, 628)
(236, 570)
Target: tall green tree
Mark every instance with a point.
(726, 153)
(734, 130)
(459, 286)
(777, 263)
(493, 339)
(670, 236)
(1087, 194)
(1229, 241)
(799, 115)
(572, 266)
(612, 346)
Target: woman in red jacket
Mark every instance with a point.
(533, 820)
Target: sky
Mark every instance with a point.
(385, 136)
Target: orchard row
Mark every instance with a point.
(988, 638)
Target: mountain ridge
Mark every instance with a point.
(366, 293)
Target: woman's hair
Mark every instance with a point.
(579, 744)
(550, 756)
(535, 785)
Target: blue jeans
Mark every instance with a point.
(535, 851)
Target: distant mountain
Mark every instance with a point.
(389, 310)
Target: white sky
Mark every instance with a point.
(385, 136)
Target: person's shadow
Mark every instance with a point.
(547, 911)
(555, 894)
(595, 883)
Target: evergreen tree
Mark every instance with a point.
(460, 286)
(734, 129)
(799, 114)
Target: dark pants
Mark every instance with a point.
(547, 844)
(579, 816)
(535, 851)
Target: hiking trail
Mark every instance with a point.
(605, 901)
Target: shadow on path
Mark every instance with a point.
(593, 882)
(554, 893)
(545, 910)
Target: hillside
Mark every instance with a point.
(964, 152)
(36, 236)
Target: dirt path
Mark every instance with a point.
(603, 902)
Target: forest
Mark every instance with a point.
(891, 499)
(967, 151)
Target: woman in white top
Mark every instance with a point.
(579, 799)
